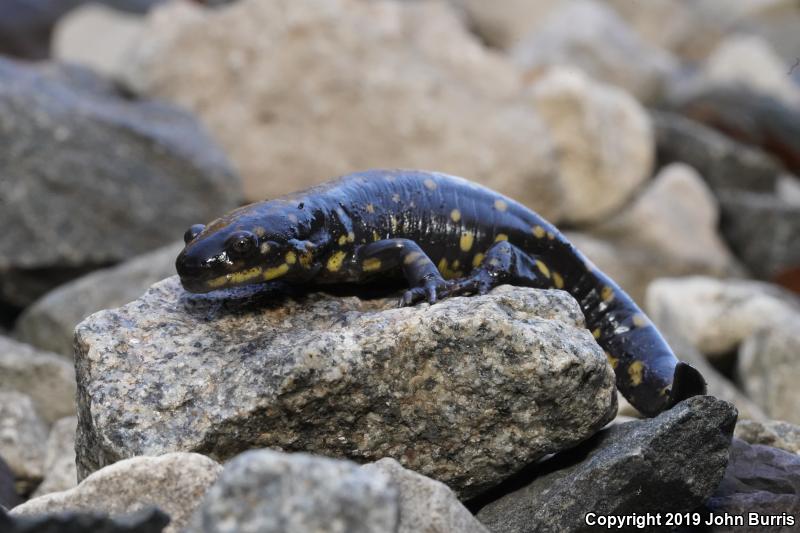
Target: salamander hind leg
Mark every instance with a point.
(503, 263)
(424, 279)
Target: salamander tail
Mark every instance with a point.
(686, 382)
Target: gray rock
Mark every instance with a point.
(8, 487)
(93, 177)
(48, 379)
(265, 491)
(592, 37)
(426, 505)
(775, 433)
(22, 439)
(464, 391)
(763, 230)
(50, 322)
(671, 463)
(762, 480)
(725, 164)
(175, 483)
(144, 521)
(769, 369)
(60, 472)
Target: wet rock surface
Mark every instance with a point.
(49, 380)
(93, 176)
(49, 323)
(465, 391)
(174, 483)
(626, 468)
(272, 492)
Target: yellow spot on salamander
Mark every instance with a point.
(500, 205)
(501, 237)
(477, 260)
(639, 320)
(236, 277)
(375, 236)
(543, 268)
(291, 258)
(538, 232)
(455, 215)
(558, 281)
(411, 257)
(342, 240)
(442, 266)
(276, 272)
(430, 184)
(351, 237)
(305, 259)
(370, 208)
(371, 264)
(456, 264)
(607, 293)
(467, 238)
(613, 360)
(635, 371)
(596, 333)
(449, 271)
(335, 261)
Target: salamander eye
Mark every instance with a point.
(241, 243)
(193, 232)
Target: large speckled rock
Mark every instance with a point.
(426, 505)
(93, 176)
(464, 391)
(49, 380)
(265, 491)
(590, 36)
(175, 483)
(603, 139)
(669, 230)
(775, 433)
(714, 315)
(769, 369)
(323, 87)
(50, 322)
(671, 463)
(22, 439)
(60, 472)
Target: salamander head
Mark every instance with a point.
(252, 244)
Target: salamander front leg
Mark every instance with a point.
(424, 280)
(504, 263)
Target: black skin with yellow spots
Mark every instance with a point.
(446, 236)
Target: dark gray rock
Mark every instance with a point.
(93, 176)
(724, 163)
(465, 391)
(763, 230)
(8, 492)
(763, 480)
(49, 323)
(144, 521)
(265, 491)
(673, 462)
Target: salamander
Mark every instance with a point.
(446, 236)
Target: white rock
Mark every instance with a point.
(60, 472)
(22, 438)
(174, 482)
(502, 23)
(603, 139)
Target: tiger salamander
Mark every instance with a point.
(446, 236)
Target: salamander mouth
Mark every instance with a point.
(195, 286)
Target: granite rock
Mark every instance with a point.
(591, 37)
(716, 316)
(603, 140)
(775, 433)
(464, 391)
(769, 369)
(762, 480)
(22, 439)
(94, 176)
(46, 378)
(60, 472)
(265, 491)
(174, 483)
(49, 322)
(337, 85)
(426, 505)
(670, 463)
